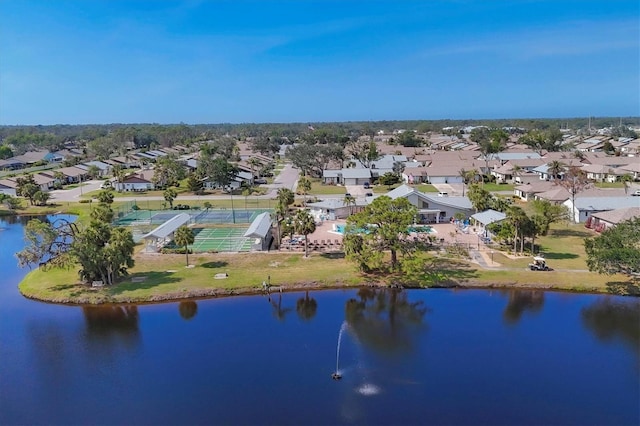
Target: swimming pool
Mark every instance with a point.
(339, 228)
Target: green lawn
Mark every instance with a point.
(493, 187)
(609, 185)
(156, 277)
(318, 188)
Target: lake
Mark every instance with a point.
(411, 357)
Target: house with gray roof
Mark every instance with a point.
(433, 209)
(357, 176)
(335, 208)
(586, 206)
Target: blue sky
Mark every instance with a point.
(238, 61)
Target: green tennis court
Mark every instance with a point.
(212, 216)
(221, 239)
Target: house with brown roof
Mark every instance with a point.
(601, 221)
(73, 174)
(528, 191)
(8, 187)
(135, 183)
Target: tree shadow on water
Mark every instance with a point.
(215, 264)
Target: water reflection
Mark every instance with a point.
(306, 307)
(521, 301)
(188, 309)
(114, 322)
(385, 320)
(279, 311)
(609, 320)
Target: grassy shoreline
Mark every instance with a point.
(163, 278)
(157, 279)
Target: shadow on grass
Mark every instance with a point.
(78, 289)
(338, 255)
(631, 288)
(215, 264)
(437, 272)
(569, 233)
(151, 279)
(559, 256)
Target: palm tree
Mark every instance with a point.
(516, 171)
(254, 163)
(626, 180)
(556, 169)
(118, 173)
(304, 186)
(284, 199)
(170, 194)
(183, 237)
(467, 176)
(304, 224)
(516, 217)
(350, 201)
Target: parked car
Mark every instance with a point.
(636, 193)
(260, 181)
(366, 185)
(369, 194)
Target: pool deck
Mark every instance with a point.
(446, 231)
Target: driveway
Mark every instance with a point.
(287, 178)
(75, 193)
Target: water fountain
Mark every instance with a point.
(336, 375)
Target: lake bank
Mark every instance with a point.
(164, 278)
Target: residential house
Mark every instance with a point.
(431, 208)
(8, 187)
(587, 206)
(73, 174)
(334, 208)
(633, 169)
(135, 183)
(12, 164)
(240, 178)
(45, 182)
(357, 176)
(30, 158)
(602, 221)
(602, 173)
(528, 191)
(443, 174)
(105, 169)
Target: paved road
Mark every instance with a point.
(66, 195)
(287, 178)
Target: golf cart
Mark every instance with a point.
(539, 264)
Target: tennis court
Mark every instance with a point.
(222, 216)
(219, 239)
